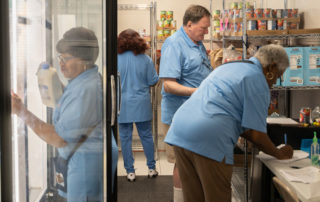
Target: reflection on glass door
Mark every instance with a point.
(59, 86)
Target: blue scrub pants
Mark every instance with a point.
(114, 158)
(145, 134)
(85, 177)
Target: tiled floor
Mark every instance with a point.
(162, 165)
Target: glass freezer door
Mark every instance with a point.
(35, 27)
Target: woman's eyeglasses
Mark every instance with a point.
(64, 60)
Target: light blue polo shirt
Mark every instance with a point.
(233, 98)
(185, 61)
(78, 110)
(137, 74)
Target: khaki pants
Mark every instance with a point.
(203, 179)
(169, 149)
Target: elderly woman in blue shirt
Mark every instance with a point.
(78, 112)
(231, 102)
(137, 75)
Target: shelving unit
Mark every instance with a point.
(285, 37)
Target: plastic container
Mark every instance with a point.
(50, 86)
(314, 151)
(315, 115)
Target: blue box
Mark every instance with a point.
(306, 145)
(312, 66)
(293, 76)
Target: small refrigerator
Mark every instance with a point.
(29, 33)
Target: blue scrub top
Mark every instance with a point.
(137, 74)
(78, 110)
(184, 61)
(234, 98)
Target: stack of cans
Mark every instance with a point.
(166, 24)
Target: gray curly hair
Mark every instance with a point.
(273, 54)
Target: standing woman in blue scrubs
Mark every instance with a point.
(137, 75)
(78, 112)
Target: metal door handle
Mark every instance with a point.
(119, 93)
(113, 100)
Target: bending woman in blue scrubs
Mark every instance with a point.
(78, 112)
(137, 74)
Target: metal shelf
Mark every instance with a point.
(295, 88)
(134, 6)
(271, 37)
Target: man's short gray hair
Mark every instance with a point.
(194, 14)
(273, 54)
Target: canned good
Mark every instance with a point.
(280, 24)
(285, 24)
(216, 23)
(294, 13)
(166, 33)
(173, 24)
(267, 12)
(169, 15)
(163, 15)
(279, 13)
(248, 5)
(160, 33)
(234, 5)
(237, 13)
(240, 5)
(262, 25)
(258, 13)
(216, 14)
(304, 115)
(287, 13)
(221, 24)
(237, 27)
(225, 14)
(166, 23)
(231, 13)
(273, 13)
(252, 25)
(160, 23)
(249, 13)
(272, 25)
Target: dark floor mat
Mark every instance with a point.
(145, 189)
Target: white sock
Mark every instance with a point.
(177, 194)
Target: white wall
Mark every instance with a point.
(140, 19)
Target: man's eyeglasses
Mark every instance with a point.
(64, 60)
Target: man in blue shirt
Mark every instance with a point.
(232, 101)
(183, 66)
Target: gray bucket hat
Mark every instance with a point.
(79, 42)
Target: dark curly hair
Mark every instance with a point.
(130, 40)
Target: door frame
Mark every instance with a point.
(5, 106)
(111, 71)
